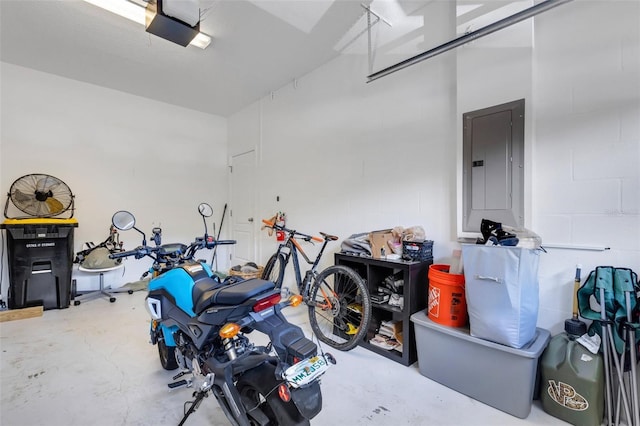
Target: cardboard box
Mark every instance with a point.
(378, 241)
(497, 375)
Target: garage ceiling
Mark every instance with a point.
(258, 45)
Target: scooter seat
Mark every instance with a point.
(229, 295)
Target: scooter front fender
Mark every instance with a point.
(167, 333)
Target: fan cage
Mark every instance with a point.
(40, 195)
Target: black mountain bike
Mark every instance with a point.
(337, 297)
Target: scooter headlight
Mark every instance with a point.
(154, 307)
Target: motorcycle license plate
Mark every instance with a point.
(306, 371)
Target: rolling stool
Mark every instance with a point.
(101, 291)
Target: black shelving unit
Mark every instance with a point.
(415, 288)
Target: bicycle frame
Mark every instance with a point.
(337, 297)
(295, 248)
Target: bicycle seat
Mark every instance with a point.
(329, 237)
(206, 294)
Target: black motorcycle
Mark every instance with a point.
(201, 322)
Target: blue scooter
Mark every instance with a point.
(201, 324)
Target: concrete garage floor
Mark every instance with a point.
(92, 365)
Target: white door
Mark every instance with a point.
(243, 168)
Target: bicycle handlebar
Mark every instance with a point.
(274, 225)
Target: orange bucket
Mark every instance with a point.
(447, 304)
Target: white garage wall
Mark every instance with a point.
(586, 184)
(345, 156)
(115, 151)
(348, 157)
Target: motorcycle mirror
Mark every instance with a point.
(123, 220)
(205, 210)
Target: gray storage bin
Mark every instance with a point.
(501, 286)
(497, 375)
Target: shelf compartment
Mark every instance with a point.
(414, 293)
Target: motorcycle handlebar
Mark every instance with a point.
(212, 244)
(142, 251)
(137, 252)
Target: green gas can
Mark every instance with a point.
(572, 382)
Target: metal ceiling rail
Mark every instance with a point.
(491, 28)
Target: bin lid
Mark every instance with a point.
(40, 221)
(531, 350)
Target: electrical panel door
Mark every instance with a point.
(493, 140)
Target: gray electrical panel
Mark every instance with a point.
(493, 165)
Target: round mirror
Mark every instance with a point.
(123, 220)
(205, 209)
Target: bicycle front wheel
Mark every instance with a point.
(274, 269)
(339, 307)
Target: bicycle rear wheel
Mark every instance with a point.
(274, 269)
(339, 307)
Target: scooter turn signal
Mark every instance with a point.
(295, 300)
(229, 330)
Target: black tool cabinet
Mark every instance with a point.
(414, 274)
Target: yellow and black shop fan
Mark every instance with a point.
(40, 195)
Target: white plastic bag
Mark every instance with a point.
(501, 285)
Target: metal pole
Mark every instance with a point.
(491, 28)
(605, 352)
(370, 54)
(215, 249)
(620, 388)
(635, 405)
(618, 371)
